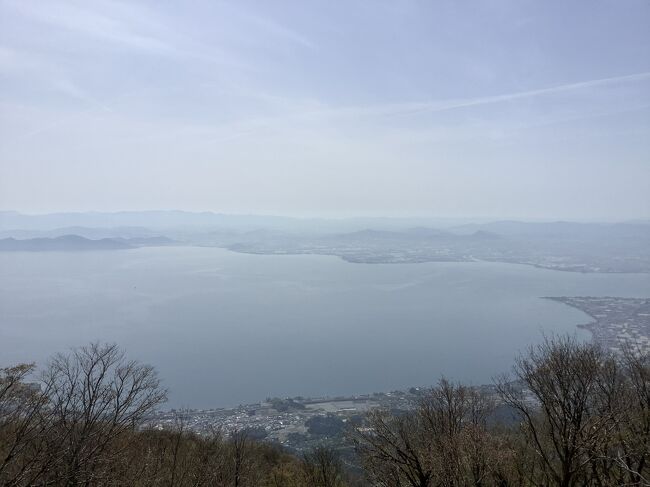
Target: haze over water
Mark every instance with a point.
(225, 328)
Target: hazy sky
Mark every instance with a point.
(504, 108)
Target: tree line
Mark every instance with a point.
(571, 414)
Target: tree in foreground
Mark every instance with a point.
(73, 422)
(578, 417)
(25, 427)
(82, 421)
(323, 468)
(443, 441)
(584, 413)
(97, 397)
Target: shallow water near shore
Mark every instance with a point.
(224, 328)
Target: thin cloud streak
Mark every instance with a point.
(247, 127)
(388, 110)
(407, 109)
(97, 25)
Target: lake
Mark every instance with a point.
(224, 328)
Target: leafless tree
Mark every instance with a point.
(24, 427)
(562, 412)
(244, 457)
(96, 396)
(628, 395)
(323, 468)
(581, 417)
(443, 441)
(395, 449)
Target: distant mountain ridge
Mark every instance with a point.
(93, 233)
(558, 229)
(75, 243)
(416, 233)
(148, 219)
(63, 243)
(140, 222)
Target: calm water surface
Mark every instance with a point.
(224, 328)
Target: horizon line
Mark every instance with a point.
(360, 216)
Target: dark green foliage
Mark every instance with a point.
(329, 425)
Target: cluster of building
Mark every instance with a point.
(618, 322)
(290, 422)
